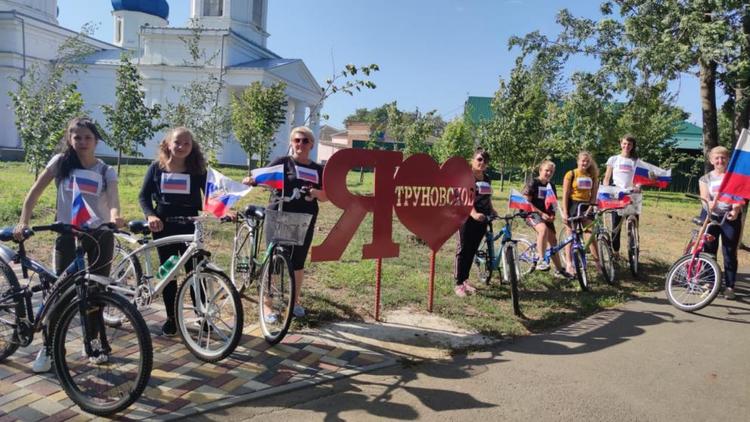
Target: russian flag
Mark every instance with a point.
(80, 212)
(611, 197)
(175, 184)
(735, 187)
(270, 176)
(550, 199)
(518, 201)
(307, 174)
(221, 193)
(84, 185)
(484, 188)
(649, 175)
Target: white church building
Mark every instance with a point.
(234, 32)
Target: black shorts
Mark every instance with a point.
(573, 207)
(535, 218)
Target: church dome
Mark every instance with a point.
(158, 8)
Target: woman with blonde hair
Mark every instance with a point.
(300, 172)
(729, 231)
(580, 187)
(172, 188)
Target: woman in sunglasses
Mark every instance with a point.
(300, 171)
(471, 232)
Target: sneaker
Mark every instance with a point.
(169, 329)
(468, 288)
(460, 290)
(729, 293)
(298, 311)
(43, 362)
(542, 266)
(563, 274)
(271, 319)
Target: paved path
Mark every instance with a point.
(182, 385)
(645, 361)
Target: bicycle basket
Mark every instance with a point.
(635, 207)
(286, 228)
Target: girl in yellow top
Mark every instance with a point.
(580, 186)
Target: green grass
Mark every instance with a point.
(344, 290)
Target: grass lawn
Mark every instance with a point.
(344, 290)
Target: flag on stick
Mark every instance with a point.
(270, 176)
(735, 187)
(221, 193)
(518, 201)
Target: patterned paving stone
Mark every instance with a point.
(181, 384)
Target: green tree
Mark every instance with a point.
(130, 121)
(44, 101)
(257, 114)
(414, 130)
(456, 141)
(199, 106)
(346, 81)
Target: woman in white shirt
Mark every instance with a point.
(620, 170)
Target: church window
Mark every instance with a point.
(118, 30)
(258, 12)
(213, 7)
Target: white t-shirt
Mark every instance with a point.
(92, 183)
(623, 170)
(712, 182)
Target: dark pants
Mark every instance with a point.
(98, 246)
(299, 253)
(729, 232)
(171, 229)
(469, 237)
(617, 230)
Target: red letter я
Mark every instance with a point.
(356, 207)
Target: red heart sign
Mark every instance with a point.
(433, 201)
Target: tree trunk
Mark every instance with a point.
(119, 158)
(708, 106)
(742, 99)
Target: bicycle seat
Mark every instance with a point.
(255, 211)
(139, 227)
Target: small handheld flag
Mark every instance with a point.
(611, 197)
(735, 187)
(270, 176)
(221, 193)
(649, 175)
(550, 199)
(518, 201)
(81, 213)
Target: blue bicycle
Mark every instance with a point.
(487, 260)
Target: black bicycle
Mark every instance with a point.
(102, 368)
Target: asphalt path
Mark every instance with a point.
(644, 361)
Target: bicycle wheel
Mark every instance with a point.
(510, 268)
(127, 273)
(241, 271)
(119, 367)
(634, 246)
(11, 310)
(561, 237)
(276, 297)
(527, 257)
(693, 283)
(209, 314)
(483, 263)
(579, 261)
(606, 262)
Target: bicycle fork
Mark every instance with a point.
(92, 324)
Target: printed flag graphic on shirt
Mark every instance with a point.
(550, 199)
(610, 197)
(80, 212)
(484, 188)
(270, 176)
(649, 175)
(518, 201)
(735, 187)
(221, 193)
(84, 184)
(307, 174)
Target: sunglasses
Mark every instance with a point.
(304, 141)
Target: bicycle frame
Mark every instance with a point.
(505, 235)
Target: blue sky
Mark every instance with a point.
(432, 53)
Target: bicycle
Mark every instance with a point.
(114, 365)
(630, 215)
(487, 260)
(276, 289)
(603, 238)
(208, 309)
(694, 280)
